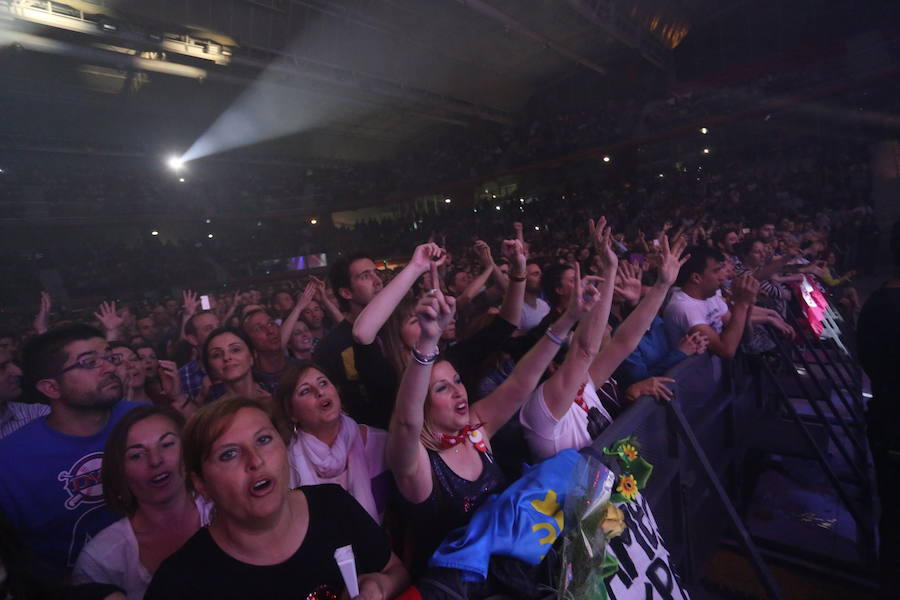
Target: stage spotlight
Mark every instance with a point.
(536, 228)
(706, 151)
(154, 232)
(497, 207)
(208, 221)
(210, 236)
(447, 200)
(181, 180)
(175, 163)
(313, 221)
(704, 130)
(606, 159)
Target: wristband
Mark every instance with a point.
(553, 337)
(425, 359)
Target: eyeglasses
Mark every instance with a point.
(122, 358)
(91, 362)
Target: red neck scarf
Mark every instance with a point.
(470, 433)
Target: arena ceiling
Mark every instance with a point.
(368, 77)
(393, 70)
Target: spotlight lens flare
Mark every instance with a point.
(176, 163)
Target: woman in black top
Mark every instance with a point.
(438, 449)
(265, 540)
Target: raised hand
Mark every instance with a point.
(585, 294)
(309, 293)
(483, 252)
(426, 254)
(108, 317)
(169, 379)
(694, 343)
(628, 282)
(42, 318)
(744, 290)
(190, 301)
(435, 312)
(601, 238)
(670, 259)
(514, 252)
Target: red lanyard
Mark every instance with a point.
(579, 398)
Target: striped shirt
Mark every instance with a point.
(17, 414)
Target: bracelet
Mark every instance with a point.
(553, 337)
(425, 359)
(517, 278)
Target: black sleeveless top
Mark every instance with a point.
(451, 504)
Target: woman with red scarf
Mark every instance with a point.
(438, 447)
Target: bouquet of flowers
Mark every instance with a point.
(595, 519)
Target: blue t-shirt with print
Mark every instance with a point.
(51, 488)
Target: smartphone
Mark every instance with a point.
(204, 302)
(656, 243)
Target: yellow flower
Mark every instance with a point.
(627, 487)
(614, 523)
(630, 451)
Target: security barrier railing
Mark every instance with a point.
(723, 412)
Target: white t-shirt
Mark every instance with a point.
(112, 556)
(533, 315)
(684, 312)
(546, 435)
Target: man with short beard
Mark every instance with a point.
(50, 470)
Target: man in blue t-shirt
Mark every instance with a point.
(50, 484)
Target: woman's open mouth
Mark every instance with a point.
(262, 487)
(160, 480)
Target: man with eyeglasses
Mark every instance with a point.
(355, 282)
(50, 470)
(269, 359)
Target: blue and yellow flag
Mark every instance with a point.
(522, 522)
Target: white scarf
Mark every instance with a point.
(314, 461)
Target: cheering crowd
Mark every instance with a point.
(225, 444)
